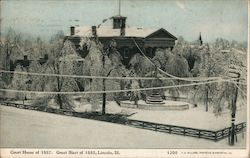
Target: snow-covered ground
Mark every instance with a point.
(193, 117)
(25, 128)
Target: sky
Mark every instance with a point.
(213, 18)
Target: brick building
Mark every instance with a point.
(126, 38)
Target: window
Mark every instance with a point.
(116, 24)
(126, 53)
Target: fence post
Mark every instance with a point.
(215, 136)
(232, 133)
(236, 135)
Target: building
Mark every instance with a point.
(25, 62)
(127, 39)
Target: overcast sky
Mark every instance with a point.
(213, 18)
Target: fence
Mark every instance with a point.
(115, 118)
(186, 131)
(121, 119)
(220, 134)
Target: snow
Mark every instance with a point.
(167, 102)
(193, 117)
(34, 129)
(106, 31)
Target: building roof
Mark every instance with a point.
(118, 16)
(110, 32)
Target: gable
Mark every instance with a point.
(161, 33)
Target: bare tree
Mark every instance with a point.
(10, 49)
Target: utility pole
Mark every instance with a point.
(103, 66)
(207, 89)
(104, 87)
(234, 101)
(208, 74)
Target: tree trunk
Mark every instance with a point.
(60, 101)
(7, 67)
(136, 100)
(217, 109)
(7, 62)
(206, 99)
(59, 97)
(122, 87)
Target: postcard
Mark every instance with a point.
(124, 78)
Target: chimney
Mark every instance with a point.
(122, 31)
(123, 26)
(94, 33)
(72, 30)
(25, 57)
(200, 40)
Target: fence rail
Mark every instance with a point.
(185, 131)
(121, 119)
(220, 134)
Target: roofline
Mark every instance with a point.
(162, 30)
(118, 16)
(125, 37)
